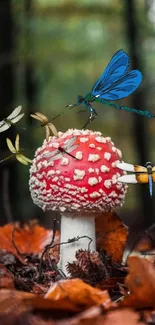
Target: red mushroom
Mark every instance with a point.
(81, 188)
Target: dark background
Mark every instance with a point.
(50, 52)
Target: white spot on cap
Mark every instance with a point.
(92, 181)
(62, 209)
(107, 155)
(114, 149)
(55, 179)
(92, 145)
(119, 153)
(113, 194)
(91, 170)
(95, 194)
(93, 157)
(83, 140)
(58, 171)
(107, 183)
(54, 187)
(100, 139)
(117, 201)
(104, 169)
(114, 179)
(99, 148)
(50, 173)
(102, 192)
(79, 155)
(121, 196)
(79, 174)
(75, 205)
(51, 163)
(114, 163)
(100, 179)
(119, 186)
(64, 161)
(83, 190)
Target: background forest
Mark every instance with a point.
(50, 52)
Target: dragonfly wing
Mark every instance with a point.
(69, 143)
(21, 159)
(150, 185)
(126, 167)
(15, 112)
(4, 127)
(28, 160)
(53, 129)
(56, 157)
(25, 158)
(125, 86)
(47, 130)
(42, 117)
(70, 149)
(140, 169)
(36, 117)
(127, 179)
(10, 145)
(50, 154)
(17, 142)
(117, 67)
(17, 118)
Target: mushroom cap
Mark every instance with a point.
(87, 183)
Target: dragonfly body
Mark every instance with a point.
(142, 174)
(116, 82)
(86, 102)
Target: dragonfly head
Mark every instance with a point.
(148, 164)
(80, 99)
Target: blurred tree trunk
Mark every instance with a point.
(140, 124)
(8, 176)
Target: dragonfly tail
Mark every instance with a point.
(128, 109)
(150, 185)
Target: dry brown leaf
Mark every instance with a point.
(65, 296)
(141, 283)
(111, 235)
(78, 293)
(31, 238)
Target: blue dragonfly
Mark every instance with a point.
(116, 82)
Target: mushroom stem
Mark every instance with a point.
(72, 226)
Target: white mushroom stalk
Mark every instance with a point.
(80, 186)
(74, 227)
